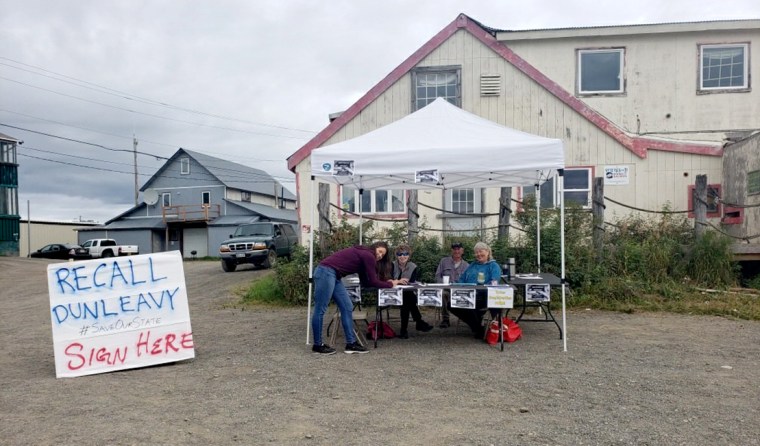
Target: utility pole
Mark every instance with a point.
(134, 152)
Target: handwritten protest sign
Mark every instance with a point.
(119, 313)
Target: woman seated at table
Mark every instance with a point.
(404, 269)
(483, 271)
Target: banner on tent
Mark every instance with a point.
(430, 176)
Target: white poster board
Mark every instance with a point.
(501, 296)
(463, 298)
(537, 292)
(617, 175)
(119, 313)
(389, 297)
(430, 297)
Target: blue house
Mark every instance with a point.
(194, 202)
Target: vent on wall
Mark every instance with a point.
(490, 84)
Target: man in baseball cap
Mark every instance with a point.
(451, 266)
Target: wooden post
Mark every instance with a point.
(700, 205)
(505, 211)
(412, 216)
(597, 210)
(323, 208)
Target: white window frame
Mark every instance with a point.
(745, 72)
(184, 165)
(621, 71)
(346, 195)
(422, 72)
(206, 198)
(166, 199)
(476, 200)
(554, 193)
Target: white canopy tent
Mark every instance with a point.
(440, 146)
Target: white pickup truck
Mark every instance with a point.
(107, 247)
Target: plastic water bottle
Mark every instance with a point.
(481, 278)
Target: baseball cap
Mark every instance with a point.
(456, 245)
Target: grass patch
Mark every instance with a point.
(731, 304)
(265, 291)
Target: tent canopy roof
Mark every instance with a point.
(442, 146)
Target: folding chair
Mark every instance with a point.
(357, 315)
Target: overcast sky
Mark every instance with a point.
(249, 81)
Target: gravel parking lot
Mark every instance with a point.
(627, 379)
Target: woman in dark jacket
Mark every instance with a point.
(365, 261)
(405, 269)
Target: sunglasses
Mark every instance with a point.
(399, 254)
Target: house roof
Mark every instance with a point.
(637, 145)
(268, 212)
(5, 137)
(233, 175)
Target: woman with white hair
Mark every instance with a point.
(483, 271)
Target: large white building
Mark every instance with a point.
(649, 107)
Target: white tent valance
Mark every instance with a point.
(450, 146)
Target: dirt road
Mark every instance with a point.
(643, 379)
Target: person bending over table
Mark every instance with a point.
(404, 269)
(366, 261)
(452, 266)
(483, 271)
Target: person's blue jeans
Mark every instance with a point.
(327, 286)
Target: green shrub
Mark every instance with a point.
(292, 277)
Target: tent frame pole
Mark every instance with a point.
(361, 208)
(538, 223)
(311, 262)
(561, 187)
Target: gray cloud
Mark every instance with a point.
(272, 68)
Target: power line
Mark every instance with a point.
(266, 179)
(81, 142)
(130, 138)
(132, 97)
(150, 114)
(244, 174)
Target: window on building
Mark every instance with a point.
(724, 67)
(184, 166)
(166, 199)
(753, 182)
(380, 201)
(713, 200)
(463, 201)
(7, 152)
(600, 71)
(245, 196)
(206, 198)
(429, 83)
(577, 185)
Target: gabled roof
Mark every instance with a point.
(233, 175)
(637, 145)
(267, 212)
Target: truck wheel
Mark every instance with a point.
(107, 254)
(271, 259)
(228, 267)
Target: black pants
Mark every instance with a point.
(474, 317)
(409, 306)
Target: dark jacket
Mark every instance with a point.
(356, 260)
